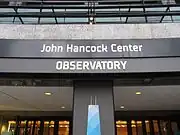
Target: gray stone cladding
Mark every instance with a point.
(110, 31)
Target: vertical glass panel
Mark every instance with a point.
(30, 127)
(37, 128)
(163, 126)
(51, 128)
(174, 127)
(156, 129)
(46, 128)
(22, 127)
(133, 125)
(139, 128)
(147, 127)
(121, 128)
(63, 128)
(12, 126)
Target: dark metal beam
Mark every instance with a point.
(164, 15)
(55, 16)
(16, 11)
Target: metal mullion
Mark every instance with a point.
(26, 128)
(1, 122)
(49, 127)
(159, 126)
(164, 15)
(41, 127)
(171, 15)
(16, 10)
(144, 127)
(144, 10)
(151, 125)
(34, 126)
(17, 126)
(56, 127)
(55, 16)
(137, 132)
(129, 128)
(39, 18)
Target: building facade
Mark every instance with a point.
(89, 67)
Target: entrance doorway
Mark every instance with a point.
(36, 127)
(146, 127)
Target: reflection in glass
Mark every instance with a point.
(133, 126)
(121, 127)
(147, 127)
(139, 128)
(63, 128)
(156, 128)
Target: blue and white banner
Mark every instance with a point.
(93, 125)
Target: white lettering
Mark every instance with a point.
(123, 64)
(126, 48)
(59, 65)
(51, 48)
(91, 65)
(86, 48)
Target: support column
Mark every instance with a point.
(1, 123)
(103, 93)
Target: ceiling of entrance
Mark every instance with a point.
(61, 98)
(35, 99)
(147, 98)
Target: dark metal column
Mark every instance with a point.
(26, 128)
(56, 127)
(159, 126)
(129, 128)
(70, 127)
(41, 127)
(33, 130)
(17, 126)
(103, 91)
(1, 122)
(144, 127)
(151, 124)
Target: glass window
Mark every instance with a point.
(12, 126)
(63, 128)
(139, 128)
(147, 127)
(156, 128)
(121, 128)
(30, 127)
(133, 126)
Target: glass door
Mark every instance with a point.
(38, 127)
(146, 127)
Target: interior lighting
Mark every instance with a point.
(48, 93)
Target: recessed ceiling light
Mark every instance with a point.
(138, 93)
(48, 93)
(122, 107)
(62, 107)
